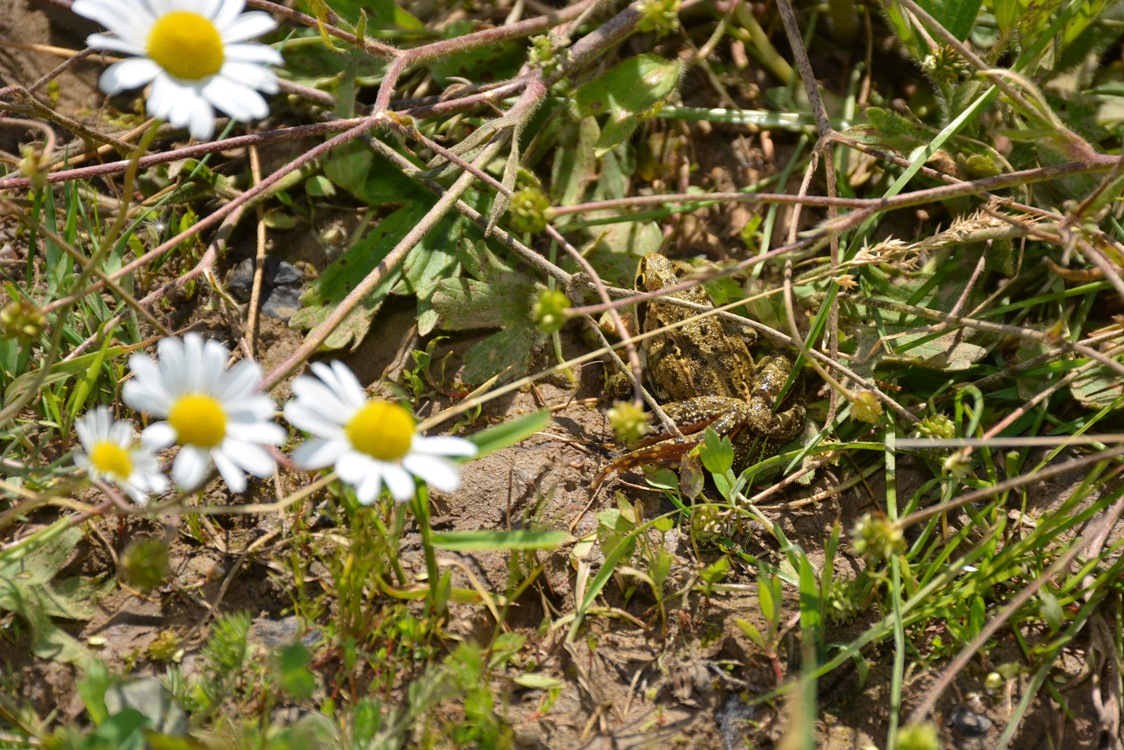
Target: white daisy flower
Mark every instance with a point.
(110, 452)
(215, 414)
(370, 442)
(194, 54)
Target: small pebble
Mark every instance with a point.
(967, 721)
(281, 286)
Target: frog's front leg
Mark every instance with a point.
(768, 381)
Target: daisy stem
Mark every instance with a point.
(421, 513)
(398, 521)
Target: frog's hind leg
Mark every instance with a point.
(778, 427)
(724, 415)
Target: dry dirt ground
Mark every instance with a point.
(687, 683)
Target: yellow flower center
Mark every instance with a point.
(198, 419)
(111, 459)
(382, 430)
(186, 44)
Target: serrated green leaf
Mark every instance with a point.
(507, 353)
(619, 247)
(575, 166)
(897, 132)
(433, 259)
(338, 279)
(494, 296)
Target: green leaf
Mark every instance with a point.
(476, 541)
(897, 132)
(371, 178)
(347, 272)
(811, 602)
(91, 689)
(380, 14)
(538, 682)
(765, 599)
(625, 93)
(319, 186)
(296, 678)
(957, 16)
(489, 62)
(122, 731)
(1098, 388)
(149, 697)
(750, 631)
(506, 353)
(60, 372)
(716, 452)
(947, 353)
(26, 588)
(716, 571)
(509, 433)
(494, 296)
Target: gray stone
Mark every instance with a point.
(967, 721)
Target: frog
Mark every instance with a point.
(704, 374)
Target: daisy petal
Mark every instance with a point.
(201, 120)
(353, 466)
(174, 356)
(317, 453)
(305, 417)
(128, 74)
(251, 75)
(350, 390)
(247, 26)
(367, 491)
(190, 467)
(234, 477)
(240, 102)
(251, 457)
(321, 398)
(436, 472)
(254, 54)
(158, 435)
(241, 380)
(399, 482)
(114, 44)
(161, 97)
(227, 12)
(212, 369)
(148, 396)
(442, 445)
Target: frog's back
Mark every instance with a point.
(693, 356)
